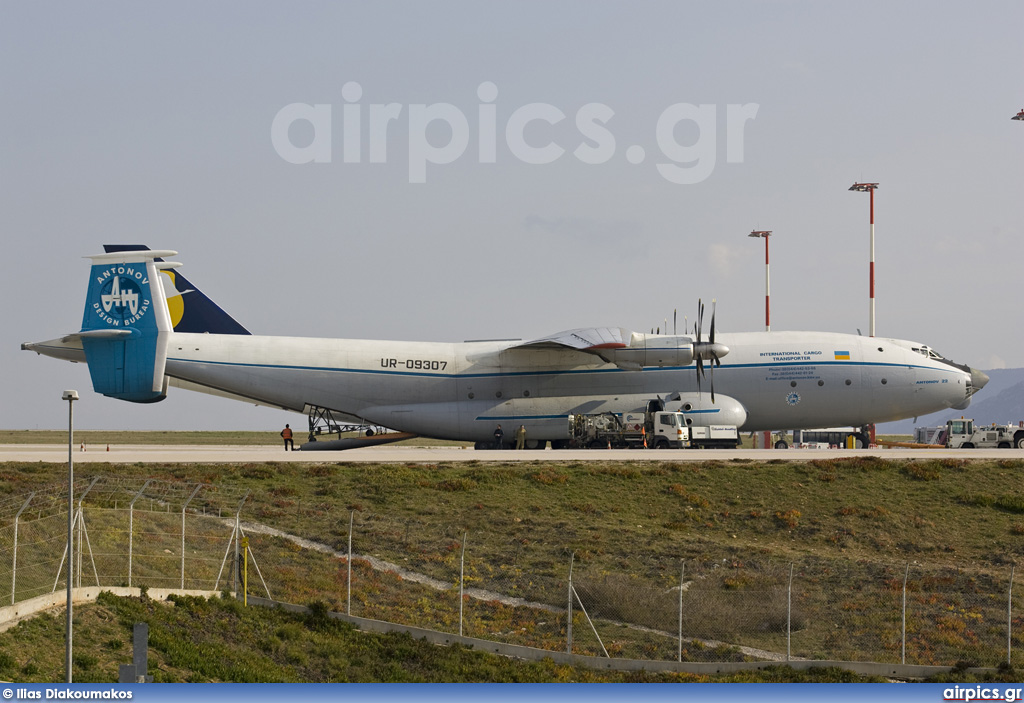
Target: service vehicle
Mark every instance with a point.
(962, 434)
(831, 437)
(653, 429)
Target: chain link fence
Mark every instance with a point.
(505, 587)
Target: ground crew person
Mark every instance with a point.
(521, 437)
(287, 434)
(498, 435)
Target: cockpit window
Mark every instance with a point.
(928, 352)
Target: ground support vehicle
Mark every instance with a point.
(962, 434)
(654, 429)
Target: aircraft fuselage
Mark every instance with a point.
(783, 380)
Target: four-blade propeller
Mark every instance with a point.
(709, 350)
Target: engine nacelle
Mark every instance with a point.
(651, 350)
(701, 412)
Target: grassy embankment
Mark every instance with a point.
(198, 640)
(642, 517)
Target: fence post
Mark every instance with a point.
(682, 579)
(348, 598)
(79, 526)
(789, 612)
(903, 655)
(81, 533)
(236, 575)
(568, 610)
(1009, 618)
(462, 578)
(131, 528)
(196, 490)
(14, 565)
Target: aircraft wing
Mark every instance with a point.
(628, 350)
(586, 339)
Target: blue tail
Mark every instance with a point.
(189, 308)
(126, 326)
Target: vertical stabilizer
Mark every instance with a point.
(191, 310)
(126, 325)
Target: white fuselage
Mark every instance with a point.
(783, 380)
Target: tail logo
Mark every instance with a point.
(122, 301)
(116, 296)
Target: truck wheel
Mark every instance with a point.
(781, 444)
(661, 444)
(967, 445)
(1018, 440)
(1003, 445)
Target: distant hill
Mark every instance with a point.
(1000, 401)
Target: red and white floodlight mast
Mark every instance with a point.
(767, 279)
(870, 188)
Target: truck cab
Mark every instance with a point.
(670, 429)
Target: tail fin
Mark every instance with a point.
(189, 308)
(126, 325)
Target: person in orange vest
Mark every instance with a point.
(287, 434)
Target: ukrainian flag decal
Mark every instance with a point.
(842, 356)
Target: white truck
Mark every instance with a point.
(715, 437)
(654, 429)
(962, 434)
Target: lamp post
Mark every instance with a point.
(71, 397)
(767, 279)
(766, 437)
(870, 188)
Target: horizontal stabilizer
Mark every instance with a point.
(98, 334)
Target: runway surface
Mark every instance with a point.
(154, 453)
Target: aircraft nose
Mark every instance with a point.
(978, 379)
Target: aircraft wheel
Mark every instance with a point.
(781, 444)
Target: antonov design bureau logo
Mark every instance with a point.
(123, 301)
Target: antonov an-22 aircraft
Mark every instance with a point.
(146, 327)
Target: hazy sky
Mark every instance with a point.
(145, 123)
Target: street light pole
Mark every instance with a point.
(71, 397)
(870, 188)
(767, 278)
